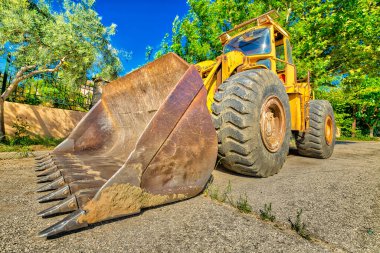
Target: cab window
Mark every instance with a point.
(289, 51)
(280, 54)
(254, 42)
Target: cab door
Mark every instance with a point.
(284, 62)
(290, 68)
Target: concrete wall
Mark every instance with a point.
(43, 121)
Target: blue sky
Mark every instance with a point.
(139, 24)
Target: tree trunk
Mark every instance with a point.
(372, 129)
(2, 122)
(20, 76)
(353, 128)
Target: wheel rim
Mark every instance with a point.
(272, 124)
(329, 130)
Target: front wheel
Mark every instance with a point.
(319, 140)
(251, 115)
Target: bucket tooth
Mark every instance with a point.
(44, 179)
(46, 159)
(39, 165)
(56, 184)
(71, 203)
(47, 166)
(67, 205)
(44, 162)
(49, 171)
(49, 178)
(39, 169)
(42, 156)
(69, 177)
(71, 188)
(61, 193)
(67, 224)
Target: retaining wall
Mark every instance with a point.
(43, 121)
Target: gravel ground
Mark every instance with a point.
(339, 198)
(18, 155)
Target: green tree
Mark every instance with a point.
(195, 37)
(336, 40)
(41, 41)
(336, 96)
(164, 47)
(339, 40)
(368, 99)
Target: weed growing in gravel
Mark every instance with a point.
(225, 197)
(299, 226)
(242, 204)
(211, 190)
(370, 231)
(266, 213)
(20, 152)
(214, 193)
(24, 152)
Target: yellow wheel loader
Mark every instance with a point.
(155, 135)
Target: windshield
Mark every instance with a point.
(251, 43)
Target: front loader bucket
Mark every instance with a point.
(148, 142)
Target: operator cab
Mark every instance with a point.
(252, 43)
(256, 44)
(284, 60)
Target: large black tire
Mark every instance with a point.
(236, 114)
(314, 143)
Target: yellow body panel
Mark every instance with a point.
(215, 72)
(208, 72)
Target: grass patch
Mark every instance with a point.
(266, 213)
(32, 141)
(20, 151)
(224, 196)
(242, 204)
(23, 141)
(8, 148)
(299, 226)
(25, 152)
(28, 144)
(358, 138)
(215, 193)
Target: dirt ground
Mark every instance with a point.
(340, 199)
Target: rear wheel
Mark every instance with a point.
(319, 140)
(252, 118)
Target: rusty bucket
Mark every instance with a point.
(149, 141)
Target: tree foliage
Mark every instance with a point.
(35, 35)
(195, 36)
(337, 40)
(74, 42)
